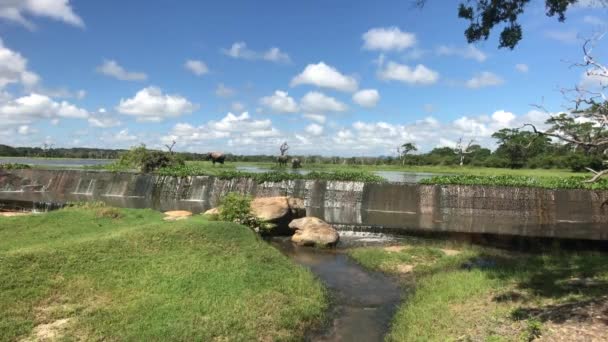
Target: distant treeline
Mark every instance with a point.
(515, 149)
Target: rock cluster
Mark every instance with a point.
(288, 214)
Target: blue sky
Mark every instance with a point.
(330, 77)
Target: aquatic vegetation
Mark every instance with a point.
(573, 182)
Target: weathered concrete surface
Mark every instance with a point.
(576, 214)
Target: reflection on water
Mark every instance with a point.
(364, 302)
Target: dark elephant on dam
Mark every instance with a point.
(216, 157)
(282, 160)
(296, 163)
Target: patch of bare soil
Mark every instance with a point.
(579, 321)
(450, 252)
(13, 213)
(404, 268)
(49, 332)
(395, 249)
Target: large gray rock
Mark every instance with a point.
(312, 231)
(273, 209)
(279, 210)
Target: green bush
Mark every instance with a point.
(235, 207)
(14, 166)
(144, 160)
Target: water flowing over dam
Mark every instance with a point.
(387, 207)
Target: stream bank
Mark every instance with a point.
(363, 301)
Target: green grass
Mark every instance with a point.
(136, 277)
(504, 302)
(573, 182)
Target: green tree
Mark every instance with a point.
(485, 15)
(519, 146)
(405, 149)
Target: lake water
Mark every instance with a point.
(60, 162)
(391, 176)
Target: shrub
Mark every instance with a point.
(146, 161)
(14, 166)
(235, 207)
(109, 212)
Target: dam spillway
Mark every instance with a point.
(391, 207)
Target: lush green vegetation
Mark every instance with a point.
(273, 176)
(474, 294)
(118, 274)
(579, 182)
(13, 166)
(235, 207)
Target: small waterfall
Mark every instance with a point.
(116, 189)
(88, 190)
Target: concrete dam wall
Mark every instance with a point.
(570, 214)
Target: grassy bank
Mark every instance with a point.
(119, 274)
(474, 294)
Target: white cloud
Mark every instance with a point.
(224, 91)
(113, 69)
(237, 106)
(280, 102)
(484, 79)
(241, 129)
(503, 117)
(150, 104)
(371, 138)
(567, 37)
(26, 130)
(319, 118)
(124, 136)
(239, 50)
(316, 102)
(199, 68)
(468, 52)
(19, 10)
(593, 20)
(275, 54)
(314, 129)
(420, 75)
(387, 39)
(366, 98)
(13, 69)
(522, 67)
(103, 120)
(33, 107)
(326, 76)
(593, 81)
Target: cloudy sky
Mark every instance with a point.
(337, 77)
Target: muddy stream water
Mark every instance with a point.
(363, 302)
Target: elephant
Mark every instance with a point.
(216, 157)
(282, 160)
(296, 163)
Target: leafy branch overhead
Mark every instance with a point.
(485, 15)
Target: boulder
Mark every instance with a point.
(275, 208)
(175, 215)
(212, 211)
(312, 231)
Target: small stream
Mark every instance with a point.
(363, 302)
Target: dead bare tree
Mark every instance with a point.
(461, 150)
(170, 147)
(284, 147)
(584, 125)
